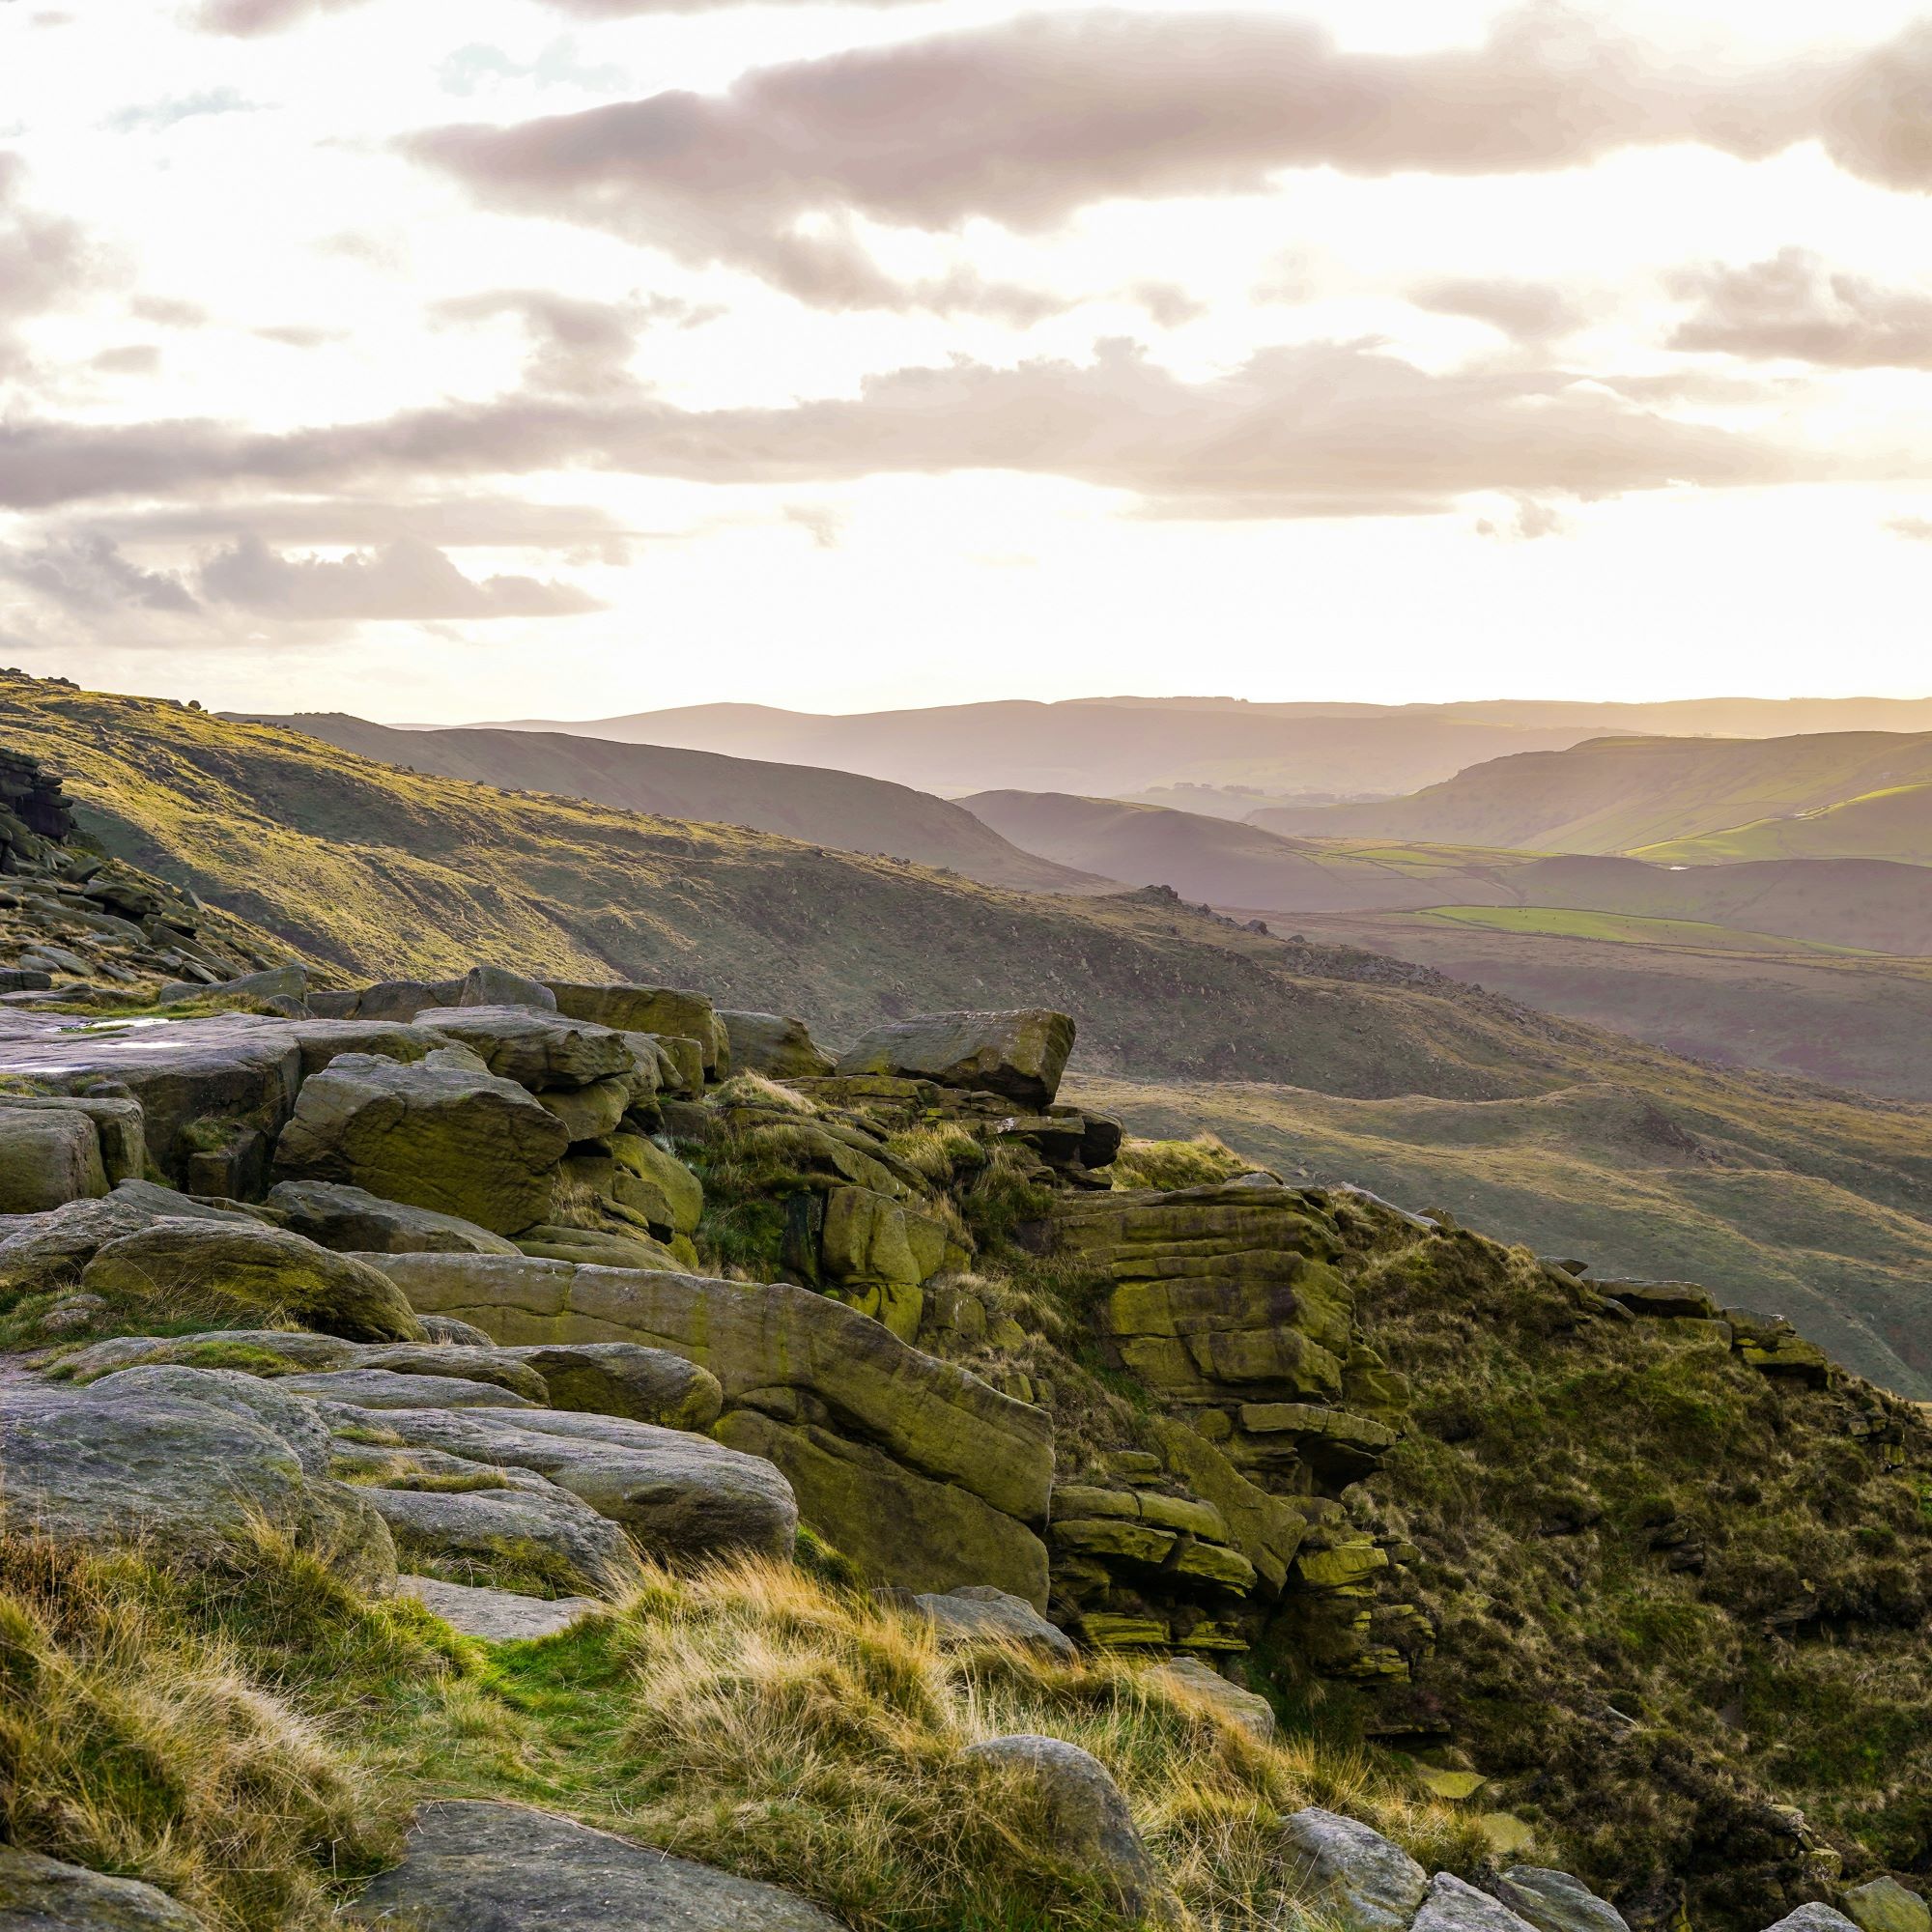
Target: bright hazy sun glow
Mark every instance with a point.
(442, 362)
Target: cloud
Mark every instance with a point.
(87, 573)
(495, 522)
(1794, 305)
(128, 358)
(823, 524)
(155, 116)
(576, 347)
(44, 260)
(247, 18)
(1026, 120)
(1529, 311)
(1526, 518)
(1916, 529)
(406, 579)
(473, 69)
(1313, 429)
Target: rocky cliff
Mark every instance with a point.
(838, 1453)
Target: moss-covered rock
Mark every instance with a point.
(445, 1136)
(218, 1271)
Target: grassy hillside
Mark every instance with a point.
(1894, 823)
(1626, 794)
(377, 873)
(855, 814)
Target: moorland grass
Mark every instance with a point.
(251, 1739)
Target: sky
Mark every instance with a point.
(567, 358)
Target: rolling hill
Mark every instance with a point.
(1894, 823)
(824, 808)
(1784, 1195)
(1121, 746)
(1654, 794)
(1860, 904)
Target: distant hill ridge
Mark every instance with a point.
(1121, 746)
(1654, 796)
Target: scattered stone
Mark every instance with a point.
(47, 1158)
(1453, 1906)
(504, 1523)
(277, 1351)
(240, 1069)
(934, 1416)
(1254, 1714)
(1020, 1055)
(534, 1049)
(980, 1613)
(498, 1617)
(1813, 1918)
(191, 1268)
(670, 1011)
(774, 1045)
(1553, 1901)
(589, 1113)
(1355, 1875)
(1668, 1299)
(897, 1526)
(447, 1328)
(474, 1866)
(623, 1378)
(278, 983)
(655, 1183)
(45, 1250)
(596, 1248)
(1883, 1905)
(497, 987)
(460, 1142)
(1087, 1822)
(365, 1387)
(278, 1407)
(39, 1895)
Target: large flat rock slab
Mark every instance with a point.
(107, 1467)
(682, 1496)
(478, 1867)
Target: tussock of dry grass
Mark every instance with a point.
(755, 1090)
(816, 1738)
(1199, 1162)
(135, 1739)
